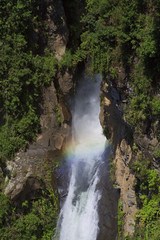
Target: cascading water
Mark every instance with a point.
(79, 215)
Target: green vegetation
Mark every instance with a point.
(120, 219)
(66, 61)
(58, 115)
(25, 68)
(112, 168)
(148, 199)
(36, 220)
(125, 34)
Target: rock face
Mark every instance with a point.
(48, 146)
(113, 101)
(125, 180)
(119, 134)
(26, 174)
(57, 30)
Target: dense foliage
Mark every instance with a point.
(125, 34)
(25, 68)
(36, 220)
(148, 199)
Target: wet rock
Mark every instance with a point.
(65, 81)
(27, 191)
(63, 178)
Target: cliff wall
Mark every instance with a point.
(128, 147)
(120, 136)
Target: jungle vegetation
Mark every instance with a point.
(26, 66)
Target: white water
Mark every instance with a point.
(79, 216)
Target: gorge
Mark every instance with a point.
(87, 155)
(45, 48)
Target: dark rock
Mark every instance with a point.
(107, 207)
(57, 30)
(29, 191)
(63, 174)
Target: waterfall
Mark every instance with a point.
(78, 218)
